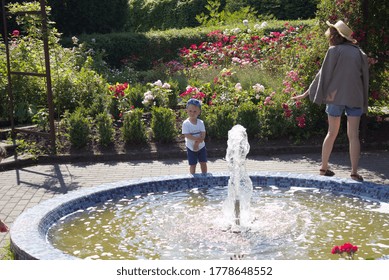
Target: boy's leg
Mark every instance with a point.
(204, 167)
(192, 169)
(202, 155)
(192, 159)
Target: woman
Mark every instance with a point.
(342, 83)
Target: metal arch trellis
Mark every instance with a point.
(46, 75)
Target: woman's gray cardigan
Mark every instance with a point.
(343, 78)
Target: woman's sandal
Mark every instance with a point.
(356, 177)
(327, 172)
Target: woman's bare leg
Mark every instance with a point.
(354, 142)
(329, 140)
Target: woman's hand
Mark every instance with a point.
(301, 96)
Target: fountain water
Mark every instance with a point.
(240, 187)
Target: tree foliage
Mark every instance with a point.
(75, 17)
(280, 9)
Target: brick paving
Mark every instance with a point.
(25, 187)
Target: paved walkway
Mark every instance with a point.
(23, 188)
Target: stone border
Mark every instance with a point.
(28, 233)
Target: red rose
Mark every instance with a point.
(335, 250)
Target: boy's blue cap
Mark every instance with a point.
(193, 101)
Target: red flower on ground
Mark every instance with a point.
(335, 250)
(347, 248)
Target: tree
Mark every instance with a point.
(75, 17)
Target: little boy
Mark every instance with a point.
(194, 131)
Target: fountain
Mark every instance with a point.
(240, 187)
(261, 215)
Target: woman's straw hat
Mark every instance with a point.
(343, 30)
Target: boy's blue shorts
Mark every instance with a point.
(199, 156)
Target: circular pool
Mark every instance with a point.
(31, 237)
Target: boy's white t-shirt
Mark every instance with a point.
(194, 130)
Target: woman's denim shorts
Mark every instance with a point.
(337, 110)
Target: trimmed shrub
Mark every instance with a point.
(219, 120)
(136, 95)
(134, 129)
(163, 124)
(79, 128)
(105, 128)
(248, 117)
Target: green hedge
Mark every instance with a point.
(141, 50)
(148, 15)
(280, 9)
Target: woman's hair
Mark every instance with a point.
(334, 37)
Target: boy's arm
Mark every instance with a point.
(191, 137)
(202, 136)
(196, 138)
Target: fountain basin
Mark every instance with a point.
(29, 232)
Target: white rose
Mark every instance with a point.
(148, 95)
(166, 85)
(158, 83)
(75, 40)
(258, 88)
